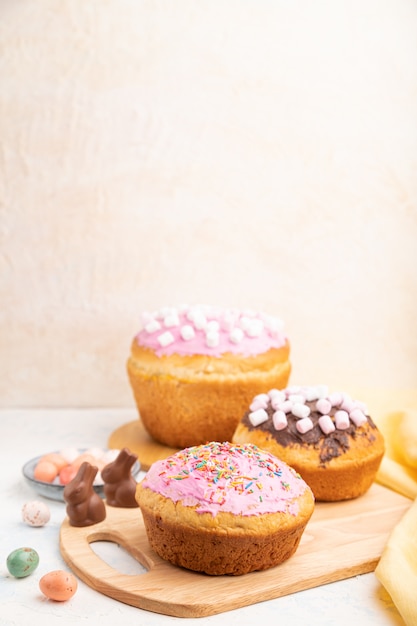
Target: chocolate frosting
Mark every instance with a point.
(329, 446)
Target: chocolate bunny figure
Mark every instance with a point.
(119, 484)
(84, 505)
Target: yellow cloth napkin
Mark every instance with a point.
(397, 568)
(398, 469)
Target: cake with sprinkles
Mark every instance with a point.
(223, 508)
(329, 438)
(194, 369)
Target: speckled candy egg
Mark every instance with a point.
(36, 513)
(22, 562)
(58, 585)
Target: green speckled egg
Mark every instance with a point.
(22, 562)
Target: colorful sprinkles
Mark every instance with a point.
(238, 478)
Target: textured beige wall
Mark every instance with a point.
(248, 153)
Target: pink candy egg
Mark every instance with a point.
(58, 585)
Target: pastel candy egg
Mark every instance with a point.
(56, 459)
(58, 585)
(36, 513)
(67, 474)
(69, 454)
(22, 562)
(45, 471)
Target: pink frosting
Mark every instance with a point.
(237, 478)
(210, 331)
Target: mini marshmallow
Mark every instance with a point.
(190, 314)
(197, 317)
(228, 322)
(296, 398)
(335, 398)
(347, 405)
(254, 328)
(258, 404)
(262, 397)
(293, 389)
(304, 425)
(165, 339)
(342, 420)
(187, 332)
(276, 401)
(230, 314)
(276, 393)
(300, 410)
(212, 325)
(244, 322)
(236, 335)
(152, 326)
(279, 420)
(273, 325)
(323, 406)
(357, 417)
(310, 393)
(322, 390)
(171, 320)
(258, 417)
(212, 338)
(200, 320)
(326, 424)
(164, 311)
(284, 406)
(160, 313)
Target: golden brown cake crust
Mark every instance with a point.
(219, 552)
(188, 400)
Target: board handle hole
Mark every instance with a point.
(118, 558)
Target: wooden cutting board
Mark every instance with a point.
(341, 540)
(133, 435)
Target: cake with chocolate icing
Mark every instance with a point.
(223, 508)
(193, 370)
(329, 438)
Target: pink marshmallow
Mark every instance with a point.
(300, 410)
(258, 417)
(279, 420)
(323, 406)
(326, 424)
(347, 405)
(284, 406)
(342, 420)
(304, 425)
(259, 403)
(335, 398)
(276, 395)
(357, 417)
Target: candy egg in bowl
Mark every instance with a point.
(48, 473)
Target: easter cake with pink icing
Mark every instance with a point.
(224, 508)
(329, 438)
(194, 370)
